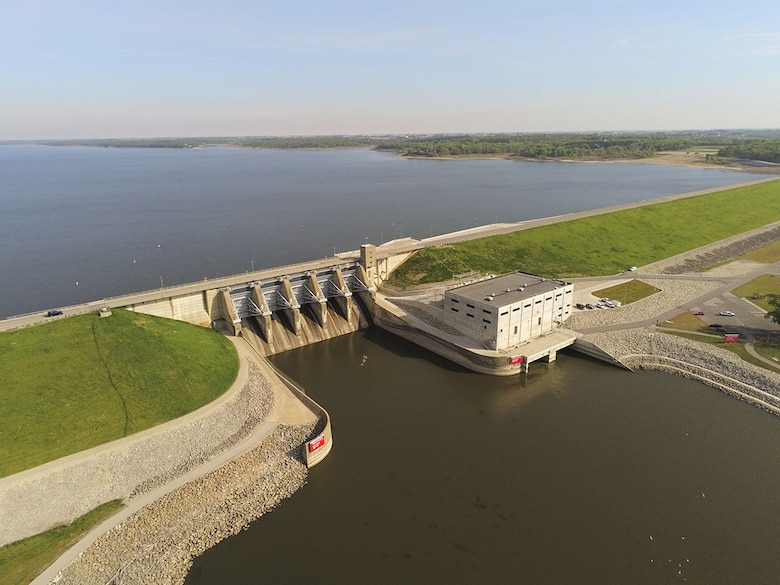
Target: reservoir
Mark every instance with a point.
(578, 473)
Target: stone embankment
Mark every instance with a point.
(640, 348)
(718, 252)
(158, 543)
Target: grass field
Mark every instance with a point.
(765, 286)
(627, 292)
(603, 244)
(737, 348)
(767, 254)
(78, 382)
(22, 561)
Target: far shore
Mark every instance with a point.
(675, 159)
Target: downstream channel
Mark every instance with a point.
(578, 473)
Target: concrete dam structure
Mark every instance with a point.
(299, 309)
(285, 308)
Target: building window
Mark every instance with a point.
(485, 321)
(470, 306)
(486, 311)
(469, 315)
(515, 329)
(537, 302)
(504, 313)
(454, 309)
(515, 309)
(455, 301)
(540, 321)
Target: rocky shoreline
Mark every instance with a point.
(158, 543)
(720, 368)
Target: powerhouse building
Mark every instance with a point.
(505, 311)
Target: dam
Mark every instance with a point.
(284, 308)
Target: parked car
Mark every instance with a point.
(715, 325)
(699, 313)
(53, 313)
(726, 314)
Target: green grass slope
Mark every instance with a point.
(603, 244)
(75, 383)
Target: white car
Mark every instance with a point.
(726, 314)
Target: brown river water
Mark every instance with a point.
(578, 473)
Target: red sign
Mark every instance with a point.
(316, 443)
(516, 359)
(731, 337)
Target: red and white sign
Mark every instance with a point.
(316, 443)
(731, 338)
(516, 359)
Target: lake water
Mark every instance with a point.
(79, 224)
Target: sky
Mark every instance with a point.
(171, 68)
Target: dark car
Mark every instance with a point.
(715, 325)
(53, 313)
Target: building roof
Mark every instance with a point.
(507, 289)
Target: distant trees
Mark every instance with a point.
(774, 314)
(763, 145)
(539, 146)
(764, 150)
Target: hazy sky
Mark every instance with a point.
(143, 68)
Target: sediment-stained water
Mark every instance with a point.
(579, 473)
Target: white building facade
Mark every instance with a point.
(506, 311)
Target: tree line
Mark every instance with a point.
(760, 145)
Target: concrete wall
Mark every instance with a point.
(192, 308)
(496, 365)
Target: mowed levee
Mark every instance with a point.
(602, 244)
(75, 383)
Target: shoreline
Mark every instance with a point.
(671, 159)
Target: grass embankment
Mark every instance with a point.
(603, 244)
(627, 292)
(692, 327)
(78, 382)
(25, 559)
(760, 290)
